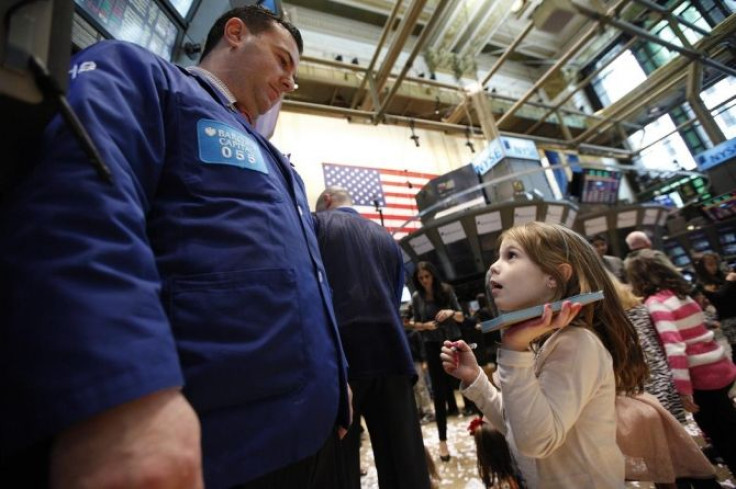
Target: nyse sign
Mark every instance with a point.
(501, 148)
(717, 155)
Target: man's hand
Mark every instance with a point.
(343, 430)
(151, 442)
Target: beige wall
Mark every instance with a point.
(313, 140)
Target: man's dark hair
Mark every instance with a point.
(256, 19)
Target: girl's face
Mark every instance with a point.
(516, 281)
(425, 278)
(710, 264)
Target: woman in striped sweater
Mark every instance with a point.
(702, 372)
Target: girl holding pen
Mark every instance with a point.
(559, 374)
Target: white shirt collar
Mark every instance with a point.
(221, 87)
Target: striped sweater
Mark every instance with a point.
(696, 360)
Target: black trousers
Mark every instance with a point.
(323, 470)
(441, 386)
(388, 407)
(717, 419)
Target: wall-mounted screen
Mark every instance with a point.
(699, 242)
(677, 254)
(672, 199)
(721, 207)
(600, 186)
(593, 186)
(727, 237)
(142, 22)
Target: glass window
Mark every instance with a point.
(182, 6)
(670, 153)
(725, 115)
(619, 78)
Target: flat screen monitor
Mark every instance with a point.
(727, 237)
(594, 186)
(699, 242)
(676, 253)
(141, 22)
(600, 186)
(721, 207)
(672, 199)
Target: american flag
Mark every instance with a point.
(392, 190)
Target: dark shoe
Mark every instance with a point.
(445, 458)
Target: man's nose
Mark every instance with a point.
(289, 83)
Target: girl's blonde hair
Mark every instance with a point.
(549, 246)
(626, 296)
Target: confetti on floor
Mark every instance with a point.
(461, 472)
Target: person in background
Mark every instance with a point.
(158, 329)
(613, 264)
(497, 468)
(436, 314)
(702, 372)
(638, 240)
(366, 272)
(659, 383)
(718, 284)
(422, 396)
(559, 374)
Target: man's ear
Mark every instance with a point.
(235, 30)
(565, 270)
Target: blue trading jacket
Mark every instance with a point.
(366, 271)
(198, 266)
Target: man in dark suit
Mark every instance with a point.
(613, 264)
(365, 270)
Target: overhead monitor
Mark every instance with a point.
(699, 242)
(721, 207)
(727, 237)
(676, 253)
(596, 186)
(143, 23)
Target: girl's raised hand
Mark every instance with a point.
(519, 336)
(459, 361)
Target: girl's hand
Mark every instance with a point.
(689, 404)
(519, 336)
(459, 361)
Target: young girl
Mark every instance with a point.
(559, 387)
(702, 372)
(660, 383)
(496, 466)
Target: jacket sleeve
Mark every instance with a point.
(84, 327)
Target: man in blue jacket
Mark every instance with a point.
(365, 270)
(175, 326)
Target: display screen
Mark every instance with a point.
(727, 237)
(699, 241)
(139, 21)
(677, 254)
(721, 207)
(671, 199)
(600, 186)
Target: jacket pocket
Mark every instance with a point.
(239, 335)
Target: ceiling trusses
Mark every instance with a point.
(466, 31)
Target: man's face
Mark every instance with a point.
(600, 246)
(264, 69)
